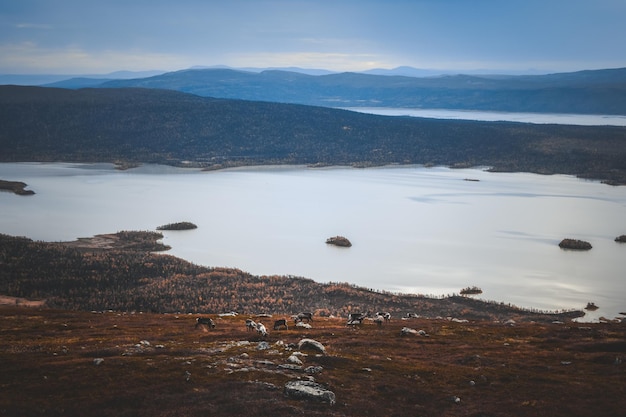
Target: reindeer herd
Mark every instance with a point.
(299, 319)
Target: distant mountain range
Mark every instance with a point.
(583, 92)
(138, 125)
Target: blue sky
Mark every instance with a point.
(512, 36)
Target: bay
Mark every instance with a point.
(419, 230)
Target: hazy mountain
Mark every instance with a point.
(584, 92)
(82, 80)
(164, 126)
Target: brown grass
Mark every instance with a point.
(48, 367)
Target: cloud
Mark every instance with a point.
(331, 61)
(75, 60)
(39, 26)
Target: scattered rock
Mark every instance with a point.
(263, 346)
(312, 344)
(304, 325)
(308, 390)
(98, 361)
(339, 241)
(313, 369)
(294, 359)
(290, 367)
(574, 244)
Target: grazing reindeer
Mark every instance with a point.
(250, 325)
(280, 323)
(303, 316)
(205, 321)
(260, 328)
(382, 317)
(357, 318)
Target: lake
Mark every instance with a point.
(419, 230)
(498, 116)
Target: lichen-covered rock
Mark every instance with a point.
(308, 390)
(575, 244)
(294, 360)
(312, 344)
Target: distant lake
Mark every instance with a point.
(493, 116)
(413, 229)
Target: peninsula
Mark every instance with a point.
(16, 187)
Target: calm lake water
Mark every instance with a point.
(497, 116)
(413, 229)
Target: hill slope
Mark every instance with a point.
(160, 126)
(60, 363)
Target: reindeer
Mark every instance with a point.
(382, 317)
(280, 323)
(357, 318)
(302, 316)
(260, 328)
(250, 325)
(205, 321)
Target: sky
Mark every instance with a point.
(506, 36)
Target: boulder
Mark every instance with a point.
(621, 239)
(294, 360)
(308, 390)
(312, 344)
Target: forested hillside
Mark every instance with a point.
(160, 126)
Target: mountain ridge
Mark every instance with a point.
(581, 92)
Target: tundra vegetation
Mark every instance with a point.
(111, 363)
(122, 272)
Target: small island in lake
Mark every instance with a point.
(178, 226)
(621, 239)
(16, 187)
(471, 291)
(575, 244)
(339, 241)
(591, 307)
